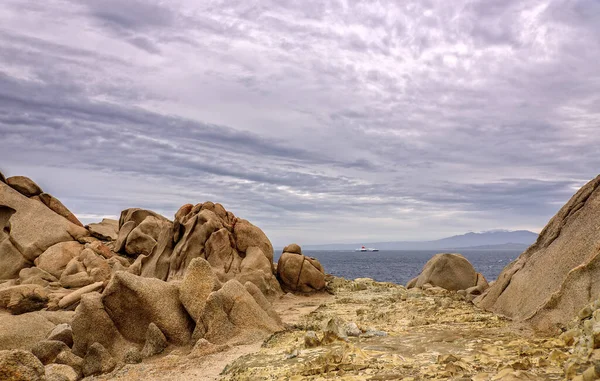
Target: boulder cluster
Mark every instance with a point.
(79, 300)
(300, 273)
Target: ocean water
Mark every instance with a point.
(400, 266)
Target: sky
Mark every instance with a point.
(319, 121)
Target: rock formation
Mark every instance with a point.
(557, 275)
(297, 272)
(452, 272)
(133, 286)
(234, 248)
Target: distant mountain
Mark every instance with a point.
(504, 246)
(469, 240)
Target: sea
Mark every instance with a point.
(400, 266)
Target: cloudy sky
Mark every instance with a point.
(320, 121)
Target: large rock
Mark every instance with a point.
(300, 273)
(198, 283)
(449, 271)
(133, 302)
(24, 298)
(2, 178)
(23, 331)
(55, 258)
(107, 230)
(33, 227)
(232, 315)
(557, 275)
(19, 365)
(97, 361)
(234, 248)
(92, 324)
(47, 350)
(24, 185)
(11, 260)
(61, 372)
(57, 207)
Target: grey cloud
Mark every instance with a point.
(317, 122)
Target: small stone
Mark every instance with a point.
(19, 365)
(62, 332)
(70, 359)
(61, 371)
(311, 339)
(97, 361)
(334, 331)
(293, 354)
(47, 350)
(446, 359)
(585, 313)
(352, 329)
(156, 342)
(133, 356)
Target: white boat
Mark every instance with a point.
(365, 249)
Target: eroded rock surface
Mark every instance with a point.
(297, 272)
(557, 275)
(449, 271)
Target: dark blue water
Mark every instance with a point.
(400, 266)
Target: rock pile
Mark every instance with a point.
(556, 276)
(451, 272)
(233, 247)
(132, 288)
(300, 273)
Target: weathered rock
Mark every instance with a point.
(134, 302)
(232, 315)
(92, 324)
(352, 329)
(297, 272)
(70, 359)
(57, 207)
(156, 342)
(293, 248)
(11, 259)
(247, 235)
(262, 301)
(35, 275)
(133, 356)
(62, 332)
(39, 323)
(124, 232)
(24, 185)
(311, 339)
(55, 258)
(107, 230)
(77, 280)
(334, 331)
(557, 275)
(33, 227)
(449, 271)
(97, 361)
(2, 178)
(23, 298)
(101, 249)
(198, 283)
(20, 365)
(47, 350)
(61, 371)
(95, 265)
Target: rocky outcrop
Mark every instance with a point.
(133, 302)
(57, 207)
(557, 275)
(234, 248)
(24, 185)
(107, 230)
(452, 272)
(232, 316)
(23, 331)
(29, 229)
(300, 273)
(24, 298)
